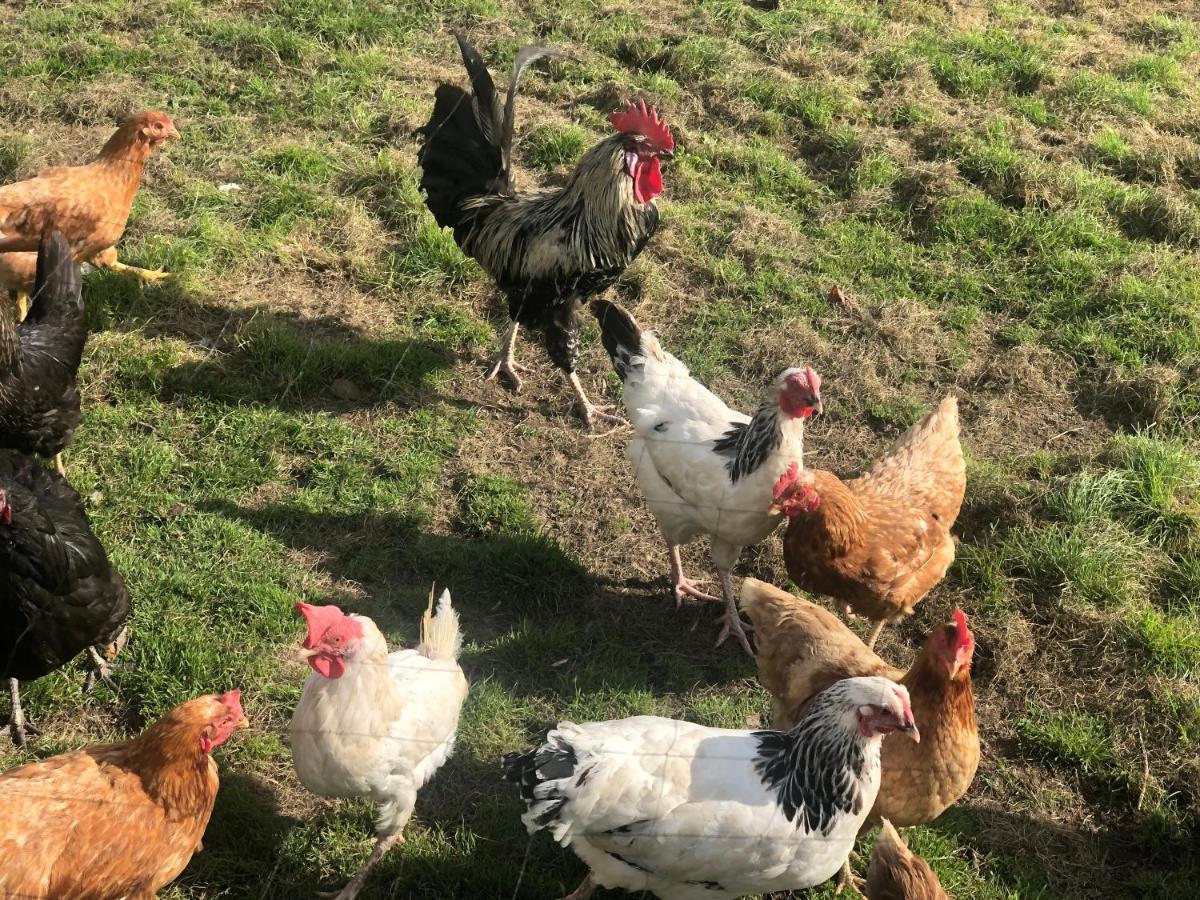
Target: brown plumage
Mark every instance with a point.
(115, 820)
(896, 873)
(802, 648)
(89, 204)
(881, 541)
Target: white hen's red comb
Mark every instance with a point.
(637, 118)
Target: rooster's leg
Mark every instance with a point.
(503, 362)
(585, 890)
(588, 411)
(58, 465)
(731, 622)
(875, 634)
(101, 670)
(22, 305)
(18, 728)
(383, 844)
(684, 586)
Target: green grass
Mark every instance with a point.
(1009, 197)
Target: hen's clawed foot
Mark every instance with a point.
(591, 414)
(732, 624)
(685, 587)
(502, 365)
(848, 881)
(146, 276)
(100, 670)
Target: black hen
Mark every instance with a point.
(58, 593)
(551, 250)
(39, 358)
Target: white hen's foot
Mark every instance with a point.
(382, 845)
(848, 881)
(683, 586)
(585, 890)
(731, 622)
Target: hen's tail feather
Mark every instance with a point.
(541, 773)
(620, 334)
(440, 637)
(58, 288)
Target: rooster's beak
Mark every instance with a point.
(305, 654)
(773, 510)
(666, 154)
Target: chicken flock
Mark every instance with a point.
(648, 804)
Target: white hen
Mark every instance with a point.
(705, 469)
(695, 813)
(374, 724)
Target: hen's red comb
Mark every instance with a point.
(232, 700)
(637, 118)
(318, 619)
(963, 636)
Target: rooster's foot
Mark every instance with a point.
(509, 369)
(146, 276)
(685, 587)
(591, 413)
(18, 725)
(22, 305)
(732, 624)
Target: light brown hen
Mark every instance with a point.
(115, 820)
(896, 873)
(89, 204)
(879, 542)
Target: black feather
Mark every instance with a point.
(58, 592)
(39, 359)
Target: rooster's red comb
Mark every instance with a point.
(637, 118)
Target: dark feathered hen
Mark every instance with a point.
(58, 593)
(549, 251)
(39, 359)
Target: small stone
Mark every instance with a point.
(344, 389)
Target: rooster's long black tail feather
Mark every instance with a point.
(58, 289)
(467, 149)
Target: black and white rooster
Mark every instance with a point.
(549, 251)
(704, 468)
(695, 813)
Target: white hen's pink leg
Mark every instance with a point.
(585, 890)
(502, 362)
(732, 622)
(383, 844)
(683, 586)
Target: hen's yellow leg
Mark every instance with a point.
(107, 259)
(22, 305)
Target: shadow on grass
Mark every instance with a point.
(521, 597)
(260, 355)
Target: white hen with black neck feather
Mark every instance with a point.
(695, 813)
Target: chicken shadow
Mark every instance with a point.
(264, 356)
(540, 622)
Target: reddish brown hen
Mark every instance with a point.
(879, 542)
(896, 873)
(89, 204)
(115, 820)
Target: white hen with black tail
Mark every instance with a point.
(694, 813)
(705, 469)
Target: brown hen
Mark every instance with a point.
(896, 873)
(115, 820)
(879, 542)
(89, 204)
